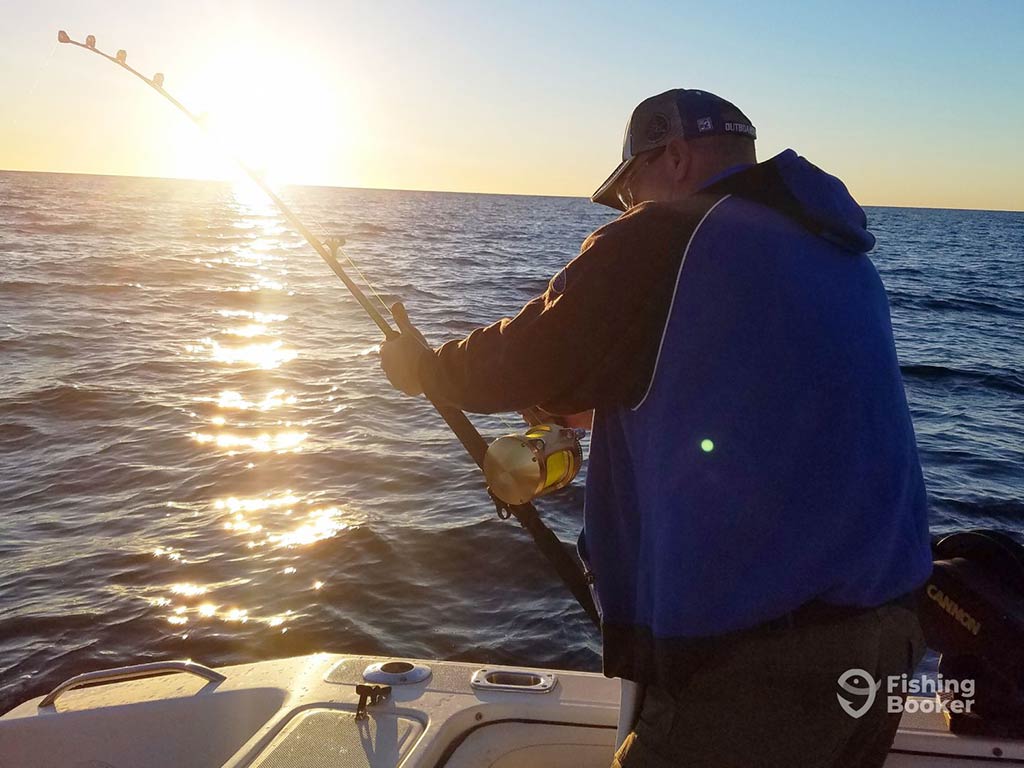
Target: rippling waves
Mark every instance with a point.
(199, 457)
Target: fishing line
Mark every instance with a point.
(367, 282)
(19, 117)
(352, 263)
(549, 456)
(42, 70)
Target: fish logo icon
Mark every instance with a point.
(859, 683)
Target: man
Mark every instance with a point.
(755, 513)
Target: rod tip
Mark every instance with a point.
(62, 37)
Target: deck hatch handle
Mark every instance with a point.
(522, 680)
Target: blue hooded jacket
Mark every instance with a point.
(752, 447)
(770, 460)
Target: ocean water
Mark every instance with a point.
(199, 456)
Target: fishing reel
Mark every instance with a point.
(522, 466)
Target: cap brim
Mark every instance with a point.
(608, 193)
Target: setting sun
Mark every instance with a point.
(270, 111)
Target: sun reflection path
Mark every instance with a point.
(188, 590)
(266, 355)
(247, 331)
(264, 442)
(320, 524)
(288, 525)
(229, 399)
(279, 521)
(278, 525)
(209, 612)
(257, 503)
(264, 318)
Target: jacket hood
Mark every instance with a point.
(799, 189)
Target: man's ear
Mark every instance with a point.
(679, 157)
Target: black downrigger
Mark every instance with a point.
(972, 613)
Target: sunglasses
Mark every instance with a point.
(641, 161)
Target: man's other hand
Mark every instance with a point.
(582, 420)
(400, 357)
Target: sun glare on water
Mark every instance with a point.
(277, 115)
(280, 442)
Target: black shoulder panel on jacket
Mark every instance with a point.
(591, 339)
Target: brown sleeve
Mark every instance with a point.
(591, 339)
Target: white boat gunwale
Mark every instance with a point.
(451, 718)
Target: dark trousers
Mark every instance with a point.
(771, 700)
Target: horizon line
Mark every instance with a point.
(436, 191)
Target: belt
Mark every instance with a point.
(818, 612)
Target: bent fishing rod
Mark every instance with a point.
(548, 459)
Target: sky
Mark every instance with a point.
(911, 103)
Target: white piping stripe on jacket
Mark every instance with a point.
(672, 304)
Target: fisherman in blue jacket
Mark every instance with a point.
(755, 518)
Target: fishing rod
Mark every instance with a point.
(550, 454)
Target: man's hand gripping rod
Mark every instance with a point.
(471, 440)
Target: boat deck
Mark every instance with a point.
(302, 712)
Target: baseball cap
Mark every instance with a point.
(682, 112)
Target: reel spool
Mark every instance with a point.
(521, 467)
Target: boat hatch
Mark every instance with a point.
(331, 737)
